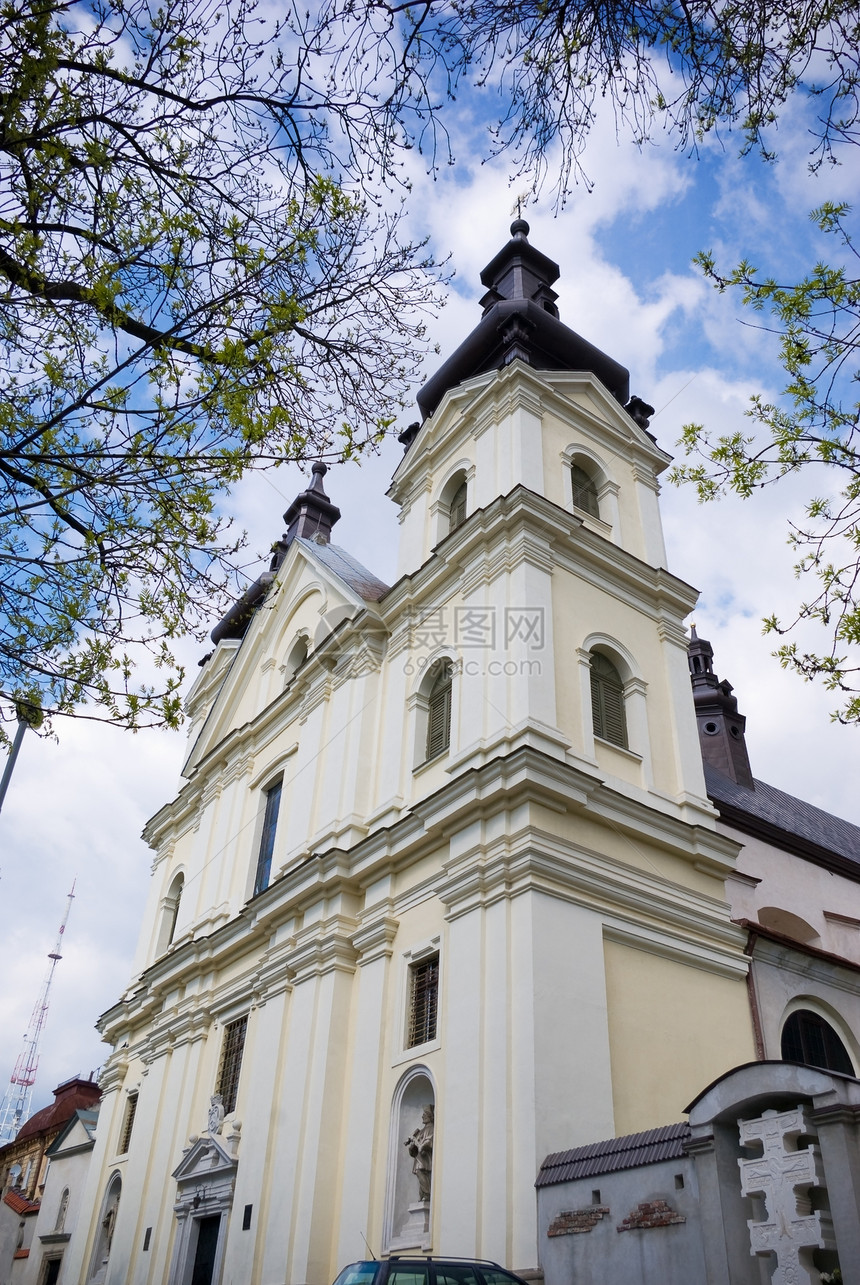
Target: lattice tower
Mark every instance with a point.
(15, 1110)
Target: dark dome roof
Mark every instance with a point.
(521, 320)
(70, 1097)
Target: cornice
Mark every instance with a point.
(631, 901)
(322, 948)
(506, 783)
(374, 938)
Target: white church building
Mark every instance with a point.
(443, 890)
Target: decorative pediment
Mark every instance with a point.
(206, 1158)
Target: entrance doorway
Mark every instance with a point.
(204, 1254)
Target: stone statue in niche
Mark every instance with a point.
(420, 1148)
(216, 1113)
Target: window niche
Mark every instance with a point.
(432, 705)
(453, 501)
(590, 491)
(614, 708)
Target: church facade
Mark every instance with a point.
(443, 890)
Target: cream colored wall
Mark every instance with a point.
(827, 901)
(672, 1030)
(512, 427)
(519, 851)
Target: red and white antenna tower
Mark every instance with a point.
(15, 1110)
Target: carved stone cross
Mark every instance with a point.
(783, 1175)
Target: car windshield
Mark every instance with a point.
(358, 1274)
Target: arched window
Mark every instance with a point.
(174, 898)
(807, 1038)
(439, 711)
(457, 507)
(170, 914)
(297, 657)
(584, 491)
(607, 701)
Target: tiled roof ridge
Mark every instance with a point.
(20, 1204)
(665, 1142)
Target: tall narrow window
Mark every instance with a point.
(231, 1062)
(423, 1001)
(807, 1038)
(607, 701)
(457, 507)
(584, 491)
(439, 712)
(267, 838)
(172, 908)
(127, 1124)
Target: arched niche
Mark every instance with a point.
(787, 924)
(170, 913)
(407, 1223)
(105, 1231)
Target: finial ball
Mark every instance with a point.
(519, 227)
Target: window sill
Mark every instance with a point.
(619, 749)
(429, 762)
(417, 1051)
(597, 524)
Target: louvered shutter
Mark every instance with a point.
(458, 508)
(607, 701)
(584, 491)
(439, 715)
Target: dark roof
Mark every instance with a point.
(788, 822)
(521, 320)
(665, 1143)
(68, 1098)
(348, 569)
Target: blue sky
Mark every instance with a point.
(75, 810)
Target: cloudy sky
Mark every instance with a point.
(76, 808)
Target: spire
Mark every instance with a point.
(312, 515)
(520, 320)
(721, 727)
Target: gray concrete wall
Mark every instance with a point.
(655, 1249)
